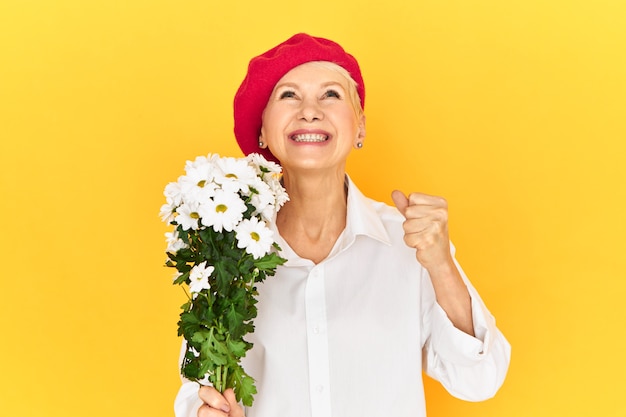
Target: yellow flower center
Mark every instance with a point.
(194, 215)
(221, 208)
(255, 236)
(231, 176)
(201, 183)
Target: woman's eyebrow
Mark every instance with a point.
(285, 84)
(332, 83)
(294, 85)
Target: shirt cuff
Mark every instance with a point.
(455, 346)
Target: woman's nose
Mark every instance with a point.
(310, 110)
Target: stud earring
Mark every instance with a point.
(261, 144)
(359, 145)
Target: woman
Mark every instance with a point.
(370, 295)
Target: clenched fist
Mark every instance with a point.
(425, 227)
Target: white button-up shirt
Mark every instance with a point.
(350, 336)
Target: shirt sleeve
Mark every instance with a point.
(471, 368)
(187, 401)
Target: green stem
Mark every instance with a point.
(188, 297)
(218, 382)
(212, 241)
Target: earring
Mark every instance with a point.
(261, 144)
(359, 145)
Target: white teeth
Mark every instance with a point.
(310, 137)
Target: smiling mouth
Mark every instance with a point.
(310, 138)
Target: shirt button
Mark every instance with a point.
(320, 388)
(316, 329)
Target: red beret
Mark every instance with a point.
(265, 70)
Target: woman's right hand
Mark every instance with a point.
(218, 405)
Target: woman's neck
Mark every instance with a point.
(315, 215)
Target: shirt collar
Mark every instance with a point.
(362, 219)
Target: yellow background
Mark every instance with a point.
(513, 110)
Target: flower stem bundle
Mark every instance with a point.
(221, 249)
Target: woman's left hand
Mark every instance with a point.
(426, 227)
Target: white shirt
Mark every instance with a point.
(350, 336)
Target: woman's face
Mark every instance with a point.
(309, 121)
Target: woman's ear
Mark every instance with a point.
(360, 136)
(361, 131)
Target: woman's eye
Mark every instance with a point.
(332, 93)
(287, 94)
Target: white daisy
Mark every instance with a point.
(198, 186)
(280, 197)
(199, 278)
(173, 193)
(223, 211)
(174, 243)
(262, 165)
(269, 213)
(235, 174)
(262, 195)
(188, 216)
(280, 194)
(210, 159)
(255, 237)
(167, 212)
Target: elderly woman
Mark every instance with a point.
(370, 295)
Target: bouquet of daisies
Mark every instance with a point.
(221, 248)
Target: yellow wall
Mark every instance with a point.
(513, 110)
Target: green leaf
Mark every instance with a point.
(216, 358)
(269, 262)
(183, 234)
(235, 320)
(191, 370)
(201, 309)
(237, 295)
(188, 325)
(204, 367)
(222, 277)
(237, 347)
(201, 337)
(246, 264)
(183, 256)
(244, 387)
(181, 278)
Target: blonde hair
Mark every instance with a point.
(353, 94)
